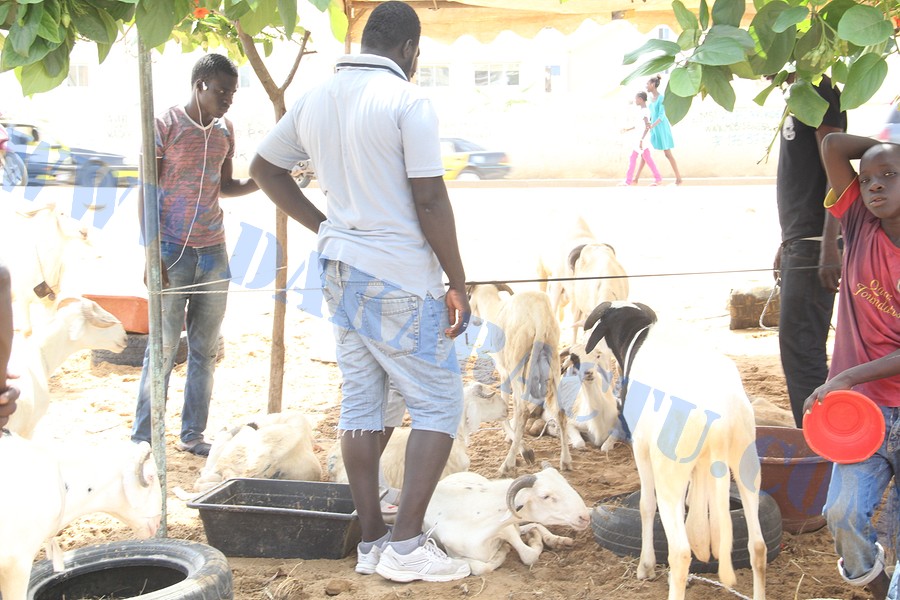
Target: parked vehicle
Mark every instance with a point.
(467, 161)
(51, 162)
(12, 168)
(463, 161)
(891, 131)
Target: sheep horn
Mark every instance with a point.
(140, 467)
(648, 311)
(503, 287)
(574, 255)
(595, 315)
(520, 483)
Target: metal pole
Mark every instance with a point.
(154, 273)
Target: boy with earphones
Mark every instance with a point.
(194, 149)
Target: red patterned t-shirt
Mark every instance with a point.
(868, 325)
(190, 178)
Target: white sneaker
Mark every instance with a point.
(426, 563)
(367, 561)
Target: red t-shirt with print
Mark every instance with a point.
(868, 325)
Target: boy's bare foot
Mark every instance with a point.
(678, 181)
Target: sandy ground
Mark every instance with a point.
(656, 231)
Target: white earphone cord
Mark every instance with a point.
(207, 131)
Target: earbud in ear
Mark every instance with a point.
(203, 85)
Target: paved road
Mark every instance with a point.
(502, 226)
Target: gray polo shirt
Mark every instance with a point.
(368, 130)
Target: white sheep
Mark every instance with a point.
(478, 519)
(78, 324)
(46, 489)
(36, 243)
(691, 423)
(589, 272)
(274, 446)
(527, 363)
(586, 393)
(481, 403)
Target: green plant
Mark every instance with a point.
(37, 36)
(851, 39)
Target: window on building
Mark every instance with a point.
(433, 76)
(245, 76)
(664, 32)
(497, 74)
(78, 76)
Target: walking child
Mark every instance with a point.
(642, 127)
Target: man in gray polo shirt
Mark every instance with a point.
(388, 238)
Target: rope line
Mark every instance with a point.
(191, 288)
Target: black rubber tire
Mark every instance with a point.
(133, 355)
(182, 354)
(616, 523)
(154, 569)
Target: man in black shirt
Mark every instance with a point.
(808, 258)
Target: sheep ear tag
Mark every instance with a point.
(847, 427)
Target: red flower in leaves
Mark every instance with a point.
(201, 13)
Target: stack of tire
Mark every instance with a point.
(133, 355)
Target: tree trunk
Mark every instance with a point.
(276, 95)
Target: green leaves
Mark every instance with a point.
(651, 67)
(773, 49)
(807, 105)
(685, 81)
(338, 20)
(790, 17)
(676, 106)
(155, 21)
(864, 26)
(653, 44)
(96, 24)
(718, 51)
(865, 78)
(727, 12)
(288, 11)
(685, 18)
(717, 81)
(850, 38)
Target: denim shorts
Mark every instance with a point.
(386, 336)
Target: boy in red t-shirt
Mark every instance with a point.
(866, 354)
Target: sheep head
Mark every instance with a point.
(143, 501)
(481, 403)
(618, 322)
(90, 326)
(550, 500)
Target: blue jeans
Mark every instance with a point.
(203, 319)
(854, 495)
(388, 337)
(803, 324)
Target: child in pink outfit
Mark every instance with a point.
(643, 126)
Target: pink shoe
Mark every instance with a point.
(656, 183)
(623, 183)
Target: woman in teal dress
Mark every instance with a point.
(660, 130)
